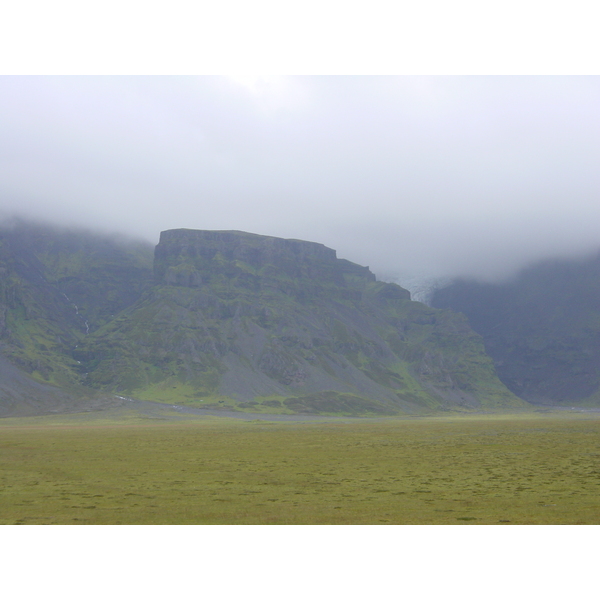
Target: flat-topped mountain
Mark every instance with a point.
(190, 258)
(188, 246)
(254, 321)
(238, 320)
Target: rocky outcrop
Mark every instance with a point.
(186, 257)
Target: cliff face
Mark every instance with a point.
(194, 248)
(248, 320)
(191, 258)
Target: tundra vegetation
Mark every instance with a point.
(527, 468)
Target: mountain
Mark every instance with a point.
(254, 321)
(230, 319)
(542, 329)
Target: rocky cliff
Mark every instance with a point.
(245, 320)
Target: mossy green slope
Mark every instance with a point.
(57, 286)
(240, 319)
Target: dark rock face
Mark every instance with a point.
(542, 329)
(182, 255)
(249, 247)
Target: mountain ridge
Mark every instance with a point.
(542, 328)
(237, 320)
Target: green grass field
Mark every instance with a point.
(538, 468)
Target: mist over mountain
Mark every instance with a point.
(413, 176)
(252, 322)
(421, 179)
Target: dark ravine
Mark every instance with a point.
(234, 320)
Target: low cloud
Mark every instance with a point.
(432, 176)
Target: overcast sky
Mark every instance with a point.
(428, 176)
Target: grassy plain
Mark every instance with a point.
(536, 468)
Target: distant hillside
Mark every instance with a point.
(231, 319)
(542, 329)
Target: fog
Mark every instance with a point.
(412, 176)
